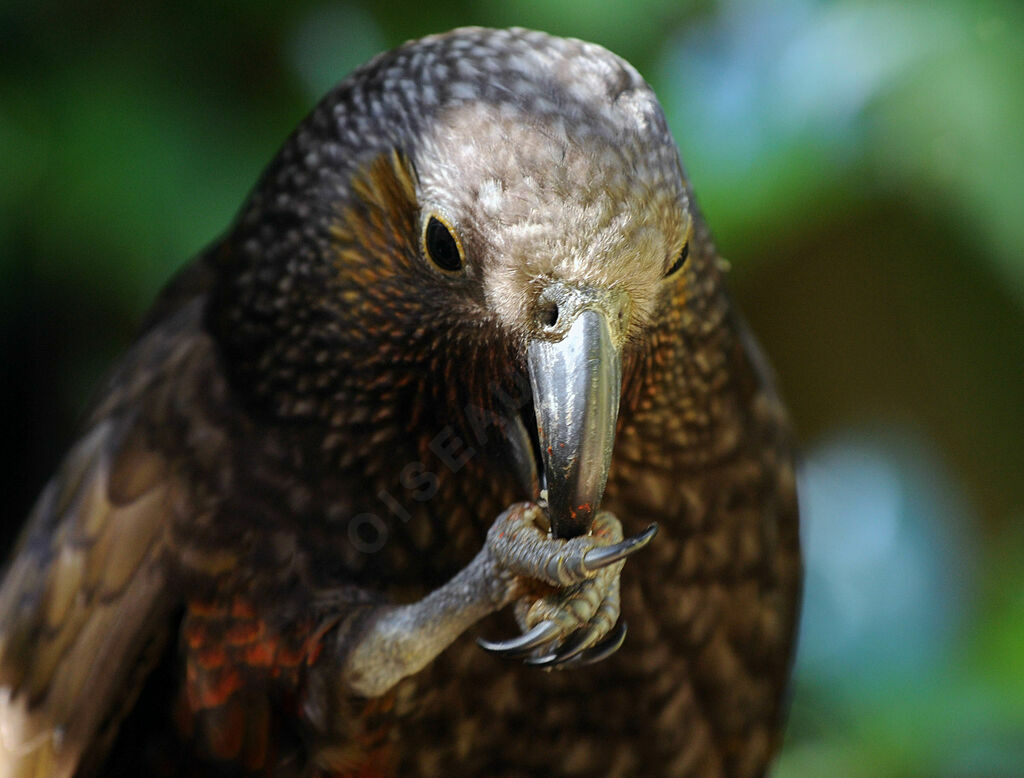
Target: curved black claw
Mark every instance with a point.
(524, 644)
(603, 556)
(602, 650)
(572, 655)
(569, 649)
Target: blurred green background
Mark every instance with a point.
(861, 163)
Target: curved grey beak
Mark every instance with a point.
(576, 382)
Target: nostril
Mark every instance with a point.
(547, 314)
(622, 313)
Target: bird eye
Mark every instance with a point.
(441, 246)
(680, 260)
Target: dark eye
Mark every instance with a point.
(680, 260)
(441, 246)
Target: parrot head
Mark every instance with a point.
(500, 205)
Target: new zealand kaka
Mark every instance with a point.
(469, 302)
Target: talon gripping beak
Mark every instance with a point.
(576, 380)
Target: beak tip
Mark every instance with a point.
(576, 383)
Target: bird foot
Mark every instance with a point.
(567, 590)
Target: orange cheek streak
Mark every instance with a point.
(679, 296)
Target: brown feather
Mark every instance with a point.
(86, 591)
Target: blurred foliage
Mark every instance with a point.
(860, 162)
